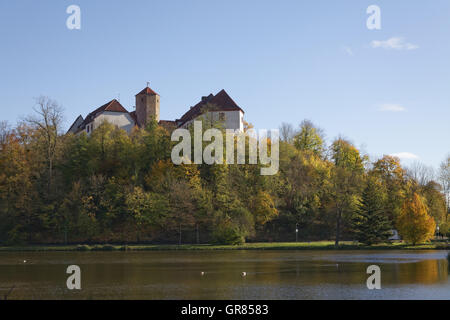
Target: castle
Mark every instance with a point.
(214, 108)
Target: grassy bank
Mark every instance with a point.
(319, 245)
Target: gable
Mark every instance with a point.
(111, 106)
(219, 102)
(75, 125)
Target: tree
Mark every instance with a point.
(114, 186)
(392, 176)
(302, 189)
(147, 209)
(444, 178)
(263, 208)
(182, 206)
(420, 173)
(371, 225)
(48, 123)
(5, 131)
(414, 224)
(346, 180)
(286, 132)
(435, 201)
(310, 138)
(19, 192)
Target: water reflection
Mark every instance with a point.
(269, 275)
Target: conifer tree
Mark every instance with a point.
(371, 224)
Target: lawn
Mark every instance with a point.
(317, 245)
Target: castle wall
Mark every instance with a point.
(122, 120)
(233, 119)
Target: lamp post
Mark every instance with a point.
(437, 231)
(296, 232)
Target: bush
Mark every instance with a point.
(82, 248)
(228, 235)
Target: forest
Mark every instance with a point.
(114, 187)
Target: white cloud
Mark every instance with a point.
(405, 155)
(348, 50)
(392, 107)
(396, 43)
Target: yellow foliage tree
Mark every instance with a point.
(414, 224)
(263, 208)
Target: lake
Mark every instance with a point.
(281, 274)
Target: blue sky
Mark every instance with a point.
(281, 61)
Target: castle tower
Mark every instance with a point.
(147, 106)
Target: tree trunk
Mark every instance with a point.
(198, 236)
(50, 174)
(338, 227)
(179, 239)
(65, 233)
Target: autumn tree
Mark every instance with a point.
(435, 201)
(19, 190)
(301, 188)
(146, 209)
(414, 223)
(347, 176)
(117, 186)
(310, 138)
(392, 176)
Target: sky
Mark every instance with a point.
(387, 90)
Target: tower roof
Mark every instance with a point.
(147, 90)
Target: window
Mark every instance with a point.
(87, 128)
(222, 116)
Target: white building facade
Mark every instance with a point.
(218, 109)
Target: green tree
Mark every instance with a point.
(347, 176)
(310, 138)
(146, 209)
(301, 188)
(435, 201)
(389, 172)
(371, 225)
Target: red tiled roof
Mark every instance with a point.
(113, 106)
(148, 91)
(168, 124)
(219, 102)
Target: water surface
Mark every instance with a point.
(283, 274)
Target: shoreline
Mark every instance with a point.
(320, 245)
